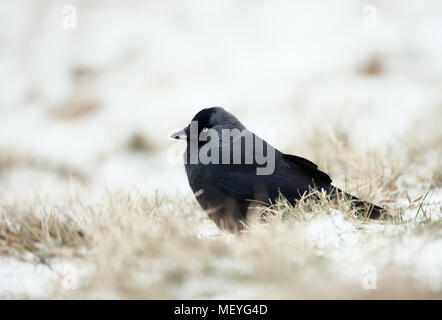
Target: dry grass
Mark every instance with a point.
(163, 246)
(12, 159)
(154, 247)
(44, 232)
(373, 66)
(139, 143)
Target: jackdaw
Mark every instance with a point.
(232, 171)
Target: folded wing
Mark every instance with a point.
(292, 178)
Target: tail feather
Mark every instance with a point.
(371, 210)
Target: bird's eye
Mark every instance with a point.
(205, 129)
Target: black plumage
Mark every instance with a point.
(227, 192)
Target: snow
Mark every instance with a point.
(150, 66)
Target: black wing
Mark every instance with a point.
(318, 176)
(292, 180)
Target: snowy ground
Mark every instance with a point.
(87, 112)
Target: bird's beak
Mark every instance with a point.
(182, 134)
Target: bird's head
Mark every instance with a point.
(209, 119)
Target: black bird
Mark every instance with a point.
(227, 189)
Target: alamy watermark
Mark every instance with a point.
(69, 17)
(369, 281)
(226, 146)
(370, 18)
(69, 277)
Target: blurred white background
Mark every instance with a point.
(94, 105)
(91, 90)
